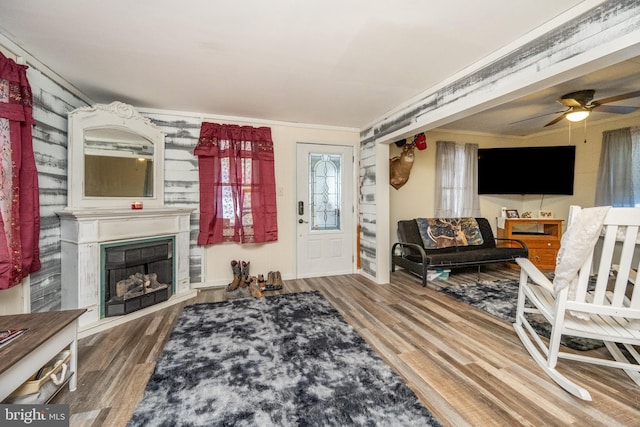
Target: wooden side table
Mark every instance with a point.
(49, 333)
(543, 242)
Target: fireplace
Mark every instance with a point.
(120, 263)
(85, 236)
(136, 275)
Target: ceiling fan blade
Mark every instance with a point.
(616, 109)
(556, 120)
(617, 98)
(569, 102)
(535, 117)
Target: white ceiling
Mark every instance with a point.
(330, 62)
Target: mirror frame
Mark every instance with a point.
(116, 115)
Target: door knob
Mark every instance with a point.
(302, 221)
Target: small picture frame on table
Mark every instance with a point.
(545, 214)
(512, 213)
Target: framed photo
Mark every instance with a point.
(545, 214)
(512, 213)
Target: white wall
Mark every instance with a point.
(278, 255)
(416, 197)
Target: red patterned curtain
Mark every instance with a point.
(19, 203)
(237, 184)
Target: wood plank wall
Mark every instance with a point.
(367, 206)
(181, 188)
(52, 102)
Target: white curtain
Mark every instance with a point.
(618, 183)
(635, 160)
(456, 187)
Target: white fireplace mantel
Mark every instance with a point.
(83, 231)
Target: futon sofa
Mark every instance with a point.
(443, 243)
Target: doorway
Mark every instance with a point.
(325, 210)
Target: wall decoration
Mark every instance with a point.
(420, 141)
(400, 166)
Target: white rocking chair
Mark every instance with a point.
(609, 312)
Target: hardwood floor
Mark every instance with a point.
(468, 367)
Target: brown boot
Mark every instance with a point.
(245, 281)
(245, 268)
(268, 284)
(277, 281)
(235, 266)
(255, 289)
(274, 281)
(261, 282)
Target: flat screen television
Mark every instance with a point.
(526, 170)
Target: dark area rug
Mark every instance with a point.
(285, 360)
(499, 298)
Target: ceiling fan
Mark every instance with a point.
(581, 103)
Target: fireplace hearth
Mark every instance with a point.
(137, 275)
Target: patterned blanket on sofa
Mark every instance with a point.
(439, 233)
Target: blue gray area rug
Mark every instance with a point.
(285, 360)
(500, 297)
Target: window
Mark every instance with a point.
(456, 180)
(618, 174)
(324, 191)
(237, 184)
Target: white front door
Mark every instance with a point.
(325, 210)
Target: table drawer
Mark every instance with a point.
(543, 258)
(543, 244)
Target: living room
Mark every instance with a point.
(376, 212)
(377, 205)
(586, 137)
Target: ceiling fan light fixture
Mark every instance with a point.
(577, 114)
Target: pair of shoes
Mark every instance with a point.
(241, 278)
(274, 281)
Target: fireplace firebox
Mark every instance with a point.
(136, 275)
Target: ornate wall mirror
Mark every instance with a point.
(115, 158)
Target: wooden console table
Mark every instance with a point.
(541, 235)
(49, 333)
